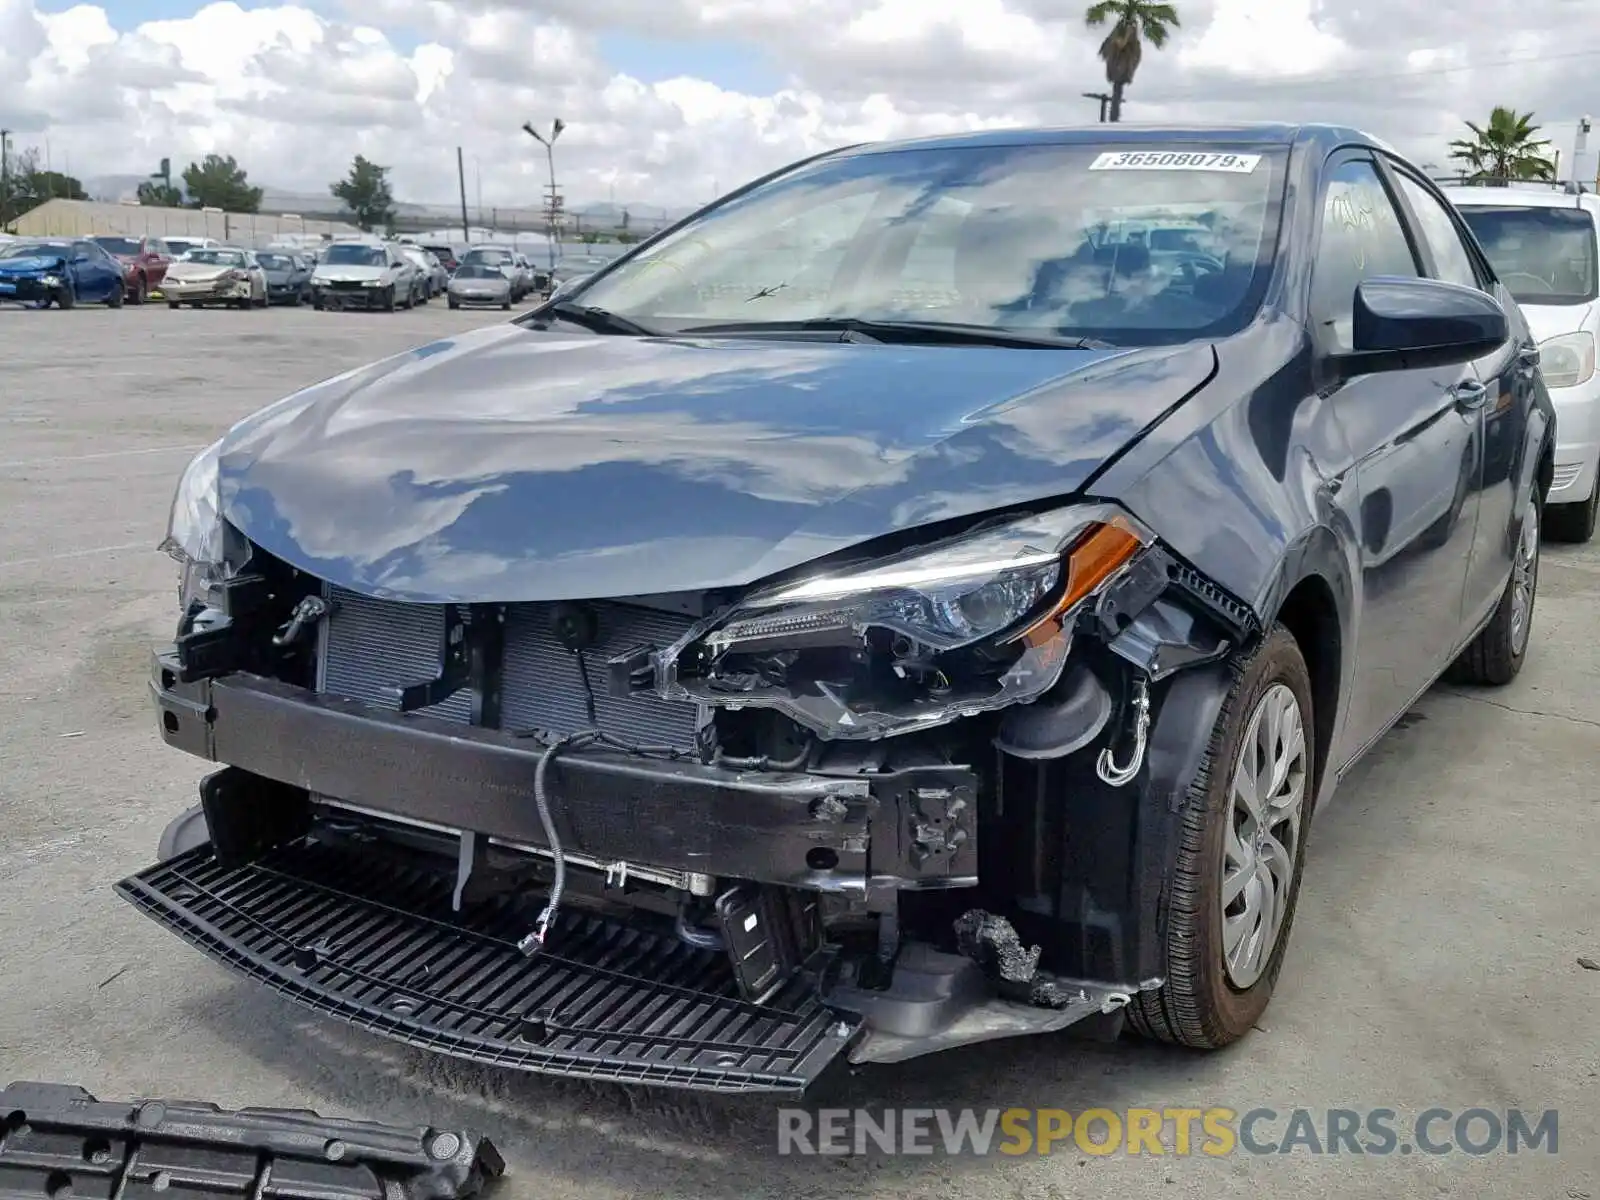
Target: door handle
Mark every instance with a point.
(1469, 394)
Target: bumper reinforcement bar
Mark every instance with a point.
(58, 1140)
(377, 944)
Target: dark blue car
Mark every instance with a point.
(60, 271)
(925, 596)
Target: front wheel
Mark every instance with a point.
(1496, 655)
(140, 291)
(65, 296)
(1237, 876)
(173, 304)
(389, 300)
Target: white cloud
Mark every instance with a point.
(296, 89)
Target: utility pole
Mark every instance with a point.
(553, 206)
(461, 179)
(1104, 99)
(5, 177)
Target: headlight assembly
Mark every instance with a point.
(209, 549)
(1567, 359)
(953, 629)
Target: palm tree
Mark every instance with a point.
(1506, 148)
(1133, 22)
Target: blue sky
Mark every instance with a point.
(731, 65)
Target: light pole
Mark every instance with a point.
(549, 144)
(5, 176)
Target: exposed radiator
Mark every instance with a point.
(373, 645)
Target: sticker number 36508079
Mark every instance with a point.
(1174, 160)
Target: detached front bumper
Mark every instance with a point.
(366, 298)
(908, 829)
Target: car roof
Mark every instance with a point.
(1521, 197)
(1246, 133)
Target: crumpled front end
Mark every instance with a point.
(917, 798)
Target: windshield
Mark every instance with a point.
(497, 257)
(479, 270)
(34, 250)
(440, 252)
(179, 246)
(119, 245)
(1542, 255)
(1042, 239)
(348, 255)
(216, 258)
(275, 262)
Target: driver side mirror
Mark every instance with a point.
(1401, 323)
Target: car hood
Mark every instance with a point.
(1549, 320)
(29, 266)
(511, 465)
(196, 272)
(340, 273)
(493, 283)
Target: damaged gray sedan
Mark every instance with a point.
(924, 597)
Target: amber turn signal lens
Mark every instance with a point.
(1099, 554)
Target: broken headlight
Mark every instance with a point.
(209, 550)
(961, 627)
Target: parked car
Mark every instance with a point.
(365, 274)
(1545, 246)
(478, 284)
(881, 617)
(288, 276)
(228, 275)
(508, 262)
(144, 262)
(573, 267)
(447, 256)
(62, 271)
(434, 277)
(179, 246)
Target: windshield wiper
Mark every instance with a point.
(596, 319)
(929, 332)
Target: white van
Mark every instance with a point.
(1545, 246)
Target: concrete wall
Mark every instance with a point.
(81, 218)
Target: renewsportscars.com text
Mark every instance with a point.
(1211, 1132)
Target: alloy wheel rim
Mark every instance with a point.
(1524, 579)
(1266, 810)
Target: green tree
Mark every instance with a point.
(31, 185)
(217, 181)
(1508, 147)
(365, 192)
(1133, 22)
(153, 193)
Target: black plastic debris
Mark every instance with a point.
(58, 1141)
(994, 945)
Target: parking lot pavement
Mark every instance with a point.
(1451, 888)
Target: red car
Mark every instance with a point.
(144, 263)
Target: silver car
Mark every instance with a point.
(507, 261)
(480, 284)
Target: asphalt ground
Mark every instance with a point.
(1451, 888)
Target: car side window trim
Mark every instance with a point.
(1392, 170)
(1340, 157)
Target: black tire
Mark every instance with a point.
(173, 305)
(389, 300)
(141, 291)
(506, 307)
(318, 305)
(1198, 1005)
(66, 297)
(1495, 657)
(1573, 522)
(453, 302)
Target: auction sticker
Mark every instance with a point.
(1174, 160)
